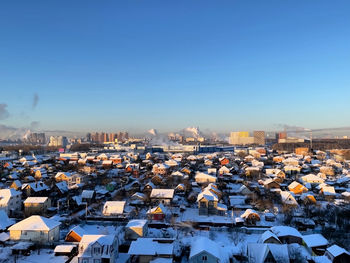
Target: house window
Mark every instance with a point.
(97, 250)
(97, 260)
(204, 258)
(85, 260)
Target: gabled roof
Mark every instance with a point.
(150, 246)
(89, 240)
(258, 252)
(315, 240)
(87, 194)
(5, 195)
(336, 250)
(5, 221)
(201, 244)
(114, 207)
(35, 223)
(266, 235)
(288, 198)
(160, 209)
(77, 230)
(62, 186)
(208, 195)
(162, 193)
(35, 200)
(281, 231)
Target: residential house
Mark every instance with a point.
(136, 228)
(287, 235)
(337, 254)
(203, 178)
(10, 201)
(160, 168)
(158, 213)
(297, 188)
(35, 189)
(5, 221)
(224, 161)
(163, 196)
(207, 202)
(88, 196)
(316, 244)
(144, 250)
(271, 184)
(117, 208)
(98, 249)
(72, 179)
(36, 229)
(266, 253)
(250, 216)
(36, 206)
(75, 234)
(205, 250)
(288, 199)
(17, 185)
(269, 237)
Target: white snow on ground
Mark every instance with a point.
(231, 243)
(45, 255)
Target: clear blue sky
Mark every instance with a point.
(136, 65)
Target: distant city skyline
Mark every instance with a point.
(132, 66)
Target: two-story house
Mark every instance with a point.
(98, 249)
(36, 206)
(10, 201)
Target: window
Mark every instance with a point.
(97, 250)
(204, 258)
(85, 260)
(97, 260)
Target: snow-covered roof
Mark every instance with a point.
(288, 198)
(35, 200)
(87, 194)
(336, 250)
(36, 187)
(6, 194)
(266, 235)
(177, 173)
(161, 166)
(208, 195)
(248, 212)
(114, 207)
(62, 186)
(36, 223)
(136, 223)
(311, 178)
(64, 248)
(158, 209)
(315, 240)
(258, 252)
(150, 246)
(5, 221)
(328, 190)
(201, 244)
(281, 231)
(101, 239)
(78, 230)
(162, 193)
